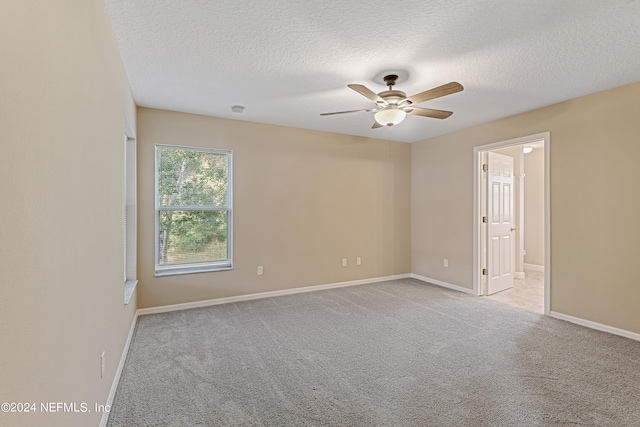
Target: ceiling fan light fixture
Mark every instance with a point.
(392, 106)
(390, 116)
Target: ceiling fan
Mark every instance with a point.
(392, 106)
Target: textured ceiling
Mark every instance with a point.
(287, 61)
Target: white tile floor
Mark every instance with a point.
(527, 293)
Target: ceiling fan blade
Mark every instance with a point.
(376, 125)
(350, 111)
(436, 92)
(428, 112)
(365, 91)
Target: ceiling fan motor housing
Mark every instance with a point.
(392, 96)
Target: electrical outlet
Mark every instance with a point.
(446, 262)
(102, 360)
(344, 262)
(260, 270)
(358, 261)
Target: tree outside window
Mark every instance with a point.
(193, 209)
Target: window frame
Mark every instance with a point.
(194, 267)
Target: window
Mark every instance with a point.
(130, 196)
(193, 210)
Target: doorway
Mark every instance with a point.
(500, 260)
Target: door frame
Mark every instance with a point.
(477, 183)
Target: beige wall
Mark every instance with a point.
(534, 207)
(595, 203)
(63, 100)
(303, 200)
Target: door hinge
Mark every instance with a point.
(484, 219)
(485, 272)
(485, 167)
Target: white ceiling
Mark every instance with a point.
(287, 61)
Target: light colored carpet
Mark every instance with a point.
(398, 353)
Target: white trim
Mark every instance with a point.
(520, 232)
(596, 326)
(239, 298)
(477, 273)
(191, 268)
(129, 288)
(477, 215)
(116, 379)
(547, 222)
(442, 284)
(534, 267)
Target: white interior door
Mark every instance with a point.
(500, 242)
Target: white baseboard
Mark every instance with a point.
(441, 283)
(519, 275)
(116, 379)
(534, 267)
(596, 326)
(226, 300)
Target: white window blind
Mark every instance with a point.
(130, 217)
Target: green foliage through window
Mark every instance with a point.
(193, 205)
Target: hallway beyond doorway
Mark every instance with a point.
(527, 293)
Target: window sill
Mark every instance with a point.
(129, 288)
(191, 269)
